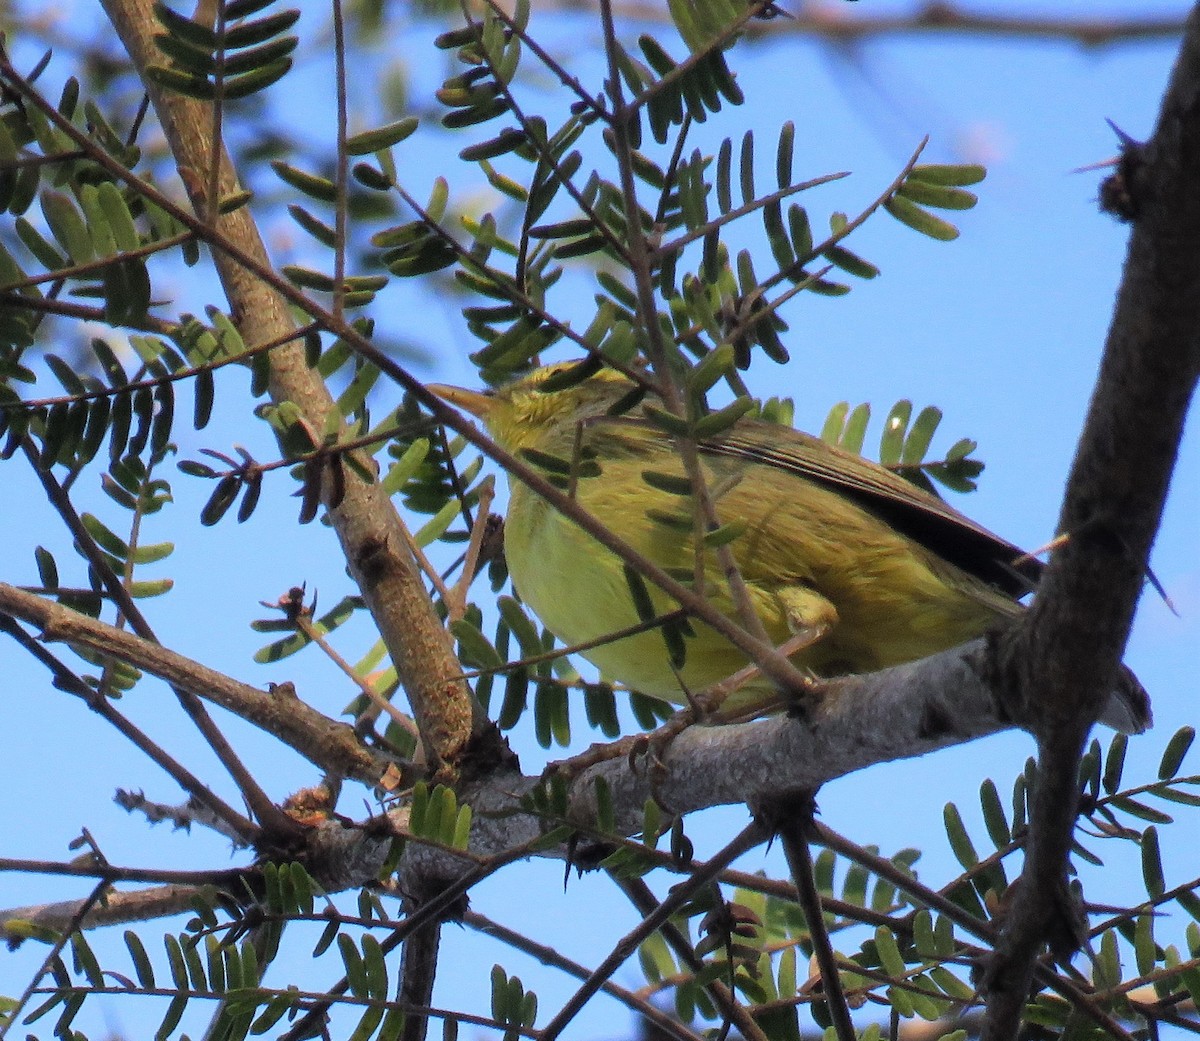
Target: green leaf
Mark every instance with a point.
(47, 568)
(923, 936)
(185, 83)
(551, 714)
(889, 952)
(85, 960)
(639, 594)
(275, 1010)
(937, 196)
(920, 434)
(1140, 810)
(35, 242)
(461, 838)
(800, 230)
(149, 553)
(854, 431)
(172, 1017)
(406, 467)
(851, 263)
(356, 975)
(508, 140)
(672, 484)
(725, 534)
(1190, 977)
(993, 815)
(521, 627)
(960, 841)
(67, 226)
(319, 188)
(185, 28)
(375, 180)
(164, 416)
(316, 227)
(600, 707)
(1107, 967)
(891, 443)
(106, 539)
(957, 174)
(717, 423)
(223, 496)
(248, 34)
(141, 960)
(382, 137)
(436, 526)
(204, 391)
(605, 816)
(1152, 869)
(908, 212)
(104, 242)
(1176, 749)
(475, 648)
(1144, 949)
(116, 210)
(145, 590)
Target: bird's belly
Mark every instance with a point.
(579, 591)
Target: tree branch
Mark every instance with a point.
(365, 520)
(857, 721)
(1068, 648)
(328, 743)
(831, 23)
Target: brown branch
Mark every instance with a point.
(323, 741)
(1068, 648)
(64, 679)
(366, 523)
(118, 908)
(793, 818)
(831, 22)
(267, 814)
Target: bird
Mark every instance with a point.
(855, 564)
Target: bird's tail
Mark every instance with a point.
(1128, 708)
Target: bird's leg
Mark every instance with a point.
(810, 618)
(631, 747)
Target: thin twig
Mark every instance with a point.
(266, 811)
(723, 996)
(660, 1020)
(793, 824)
(406, 723)
(13, 1015)
(750, 836)
(456, 601)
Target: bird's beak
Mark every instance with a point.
(478, 403)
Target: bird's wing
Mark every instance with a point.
(922, 517)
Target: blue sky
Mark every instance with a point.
(1002, 329)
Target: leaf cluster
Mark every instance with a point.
(625, 196)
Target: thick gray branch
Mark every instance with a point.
(861, 720)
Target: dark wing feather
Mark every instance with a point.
(922, 517)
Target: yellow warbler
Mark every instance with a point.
(875, 570)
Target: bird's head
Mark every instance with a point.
(537, 410)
